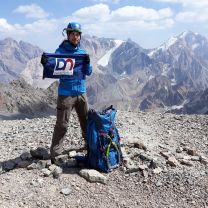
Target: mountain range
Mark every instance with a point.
(172, 77)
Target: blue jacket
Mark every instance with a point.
(72, 87)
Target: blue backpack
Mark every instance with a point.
(104, 152)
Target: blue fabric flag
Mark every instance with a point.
(70, 66)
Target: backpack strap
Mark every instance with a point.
(112, 143)
(107, 109)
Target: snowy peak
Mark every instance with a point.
(190, 37)
(97, 48)
(193, 40)
(106, 58)
(8, 42)
(188, 40)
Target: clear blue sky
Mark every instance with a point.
(147, 22)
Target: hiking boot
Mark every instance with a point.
(55, 154)
(58, 160)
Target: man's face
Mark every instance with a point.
(74, 38)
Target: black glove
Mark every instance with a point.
(44, 59)
(87, 59)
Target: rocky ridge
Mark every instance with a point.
(165, 164)
(20, 98)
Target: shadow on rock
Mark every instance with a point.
(35, 159)
(39, 158)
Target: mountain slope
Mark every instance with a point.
(14, 57)
(125, 74)
(185, 59)
(20, 97)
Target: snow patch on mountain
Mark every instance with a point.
(105, 59)
(174, 107)
(173, 82)
(165, 46)
(151, 77)
(165, 70)
(195, 46)
(169, 43)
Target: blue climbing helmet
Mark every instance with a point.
(73, 27)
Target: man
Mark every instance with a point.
(71, 92)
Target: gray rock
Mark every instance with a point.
(142, 167)
(144, 156)
(179, 149)
(157, 170)
(37, 182)
(187, 157)
(186, 162)
(128, 163)
(154, 164)
(66, 190)
(26, 156)
(195, 158)
(165, 154)
(203, 160)
(72, 153)
(41, 164)
(145, 173)
(192, 152)
(46, 172)
(23, 164)
(93, 176)
(57, 172)
(158, 183)
(9, 165)
(52, 167)
(140, 146)
(40, 153)
(32, 166)
(17, 160)
(172, 161)
(132, 169)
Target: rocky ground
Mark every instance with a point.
(165, 165)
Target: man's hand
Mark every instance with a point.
(44, 59)
(87, 59)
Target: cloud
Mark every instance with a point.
(32, 11)
(101, 14)
(187, 3)
(139, 13)
(7, 29)
(45, 33)
(192, 17)
(5, 26)
(122, 23)
(39, 26)
(98, 12)
(192, 11)
(99, 20)
(196, 11)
